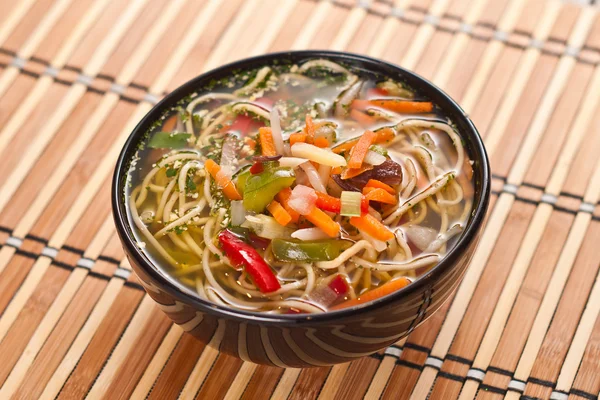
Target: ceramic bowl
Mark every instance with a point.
(305, 340)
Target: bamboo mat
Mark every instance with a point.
(77, 75)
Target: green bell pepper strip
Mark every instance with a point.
(260, 189)
(240, 182)
(308, 251)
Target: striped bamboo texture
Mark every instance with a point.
(77, 75)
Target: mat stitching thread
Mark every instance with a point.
(395, 12)
(584, 394)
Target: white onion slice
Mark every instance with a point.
(266, 227)
(377, 244)
(420, 236)
(318, 155)
(310, 234)
(303, 199)
(238, 213)
(228, 156)
(374, 158)
(313, 177)
(291, 162)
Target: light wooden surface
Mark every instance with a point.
(77, 75)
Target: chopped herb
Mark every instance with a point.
(171, 172)
(190, 185)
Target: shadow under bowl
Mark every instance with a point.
(306, 340)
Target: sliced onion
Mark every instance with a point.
(303, 199)
(266, 227)
(310, 234)
(228, 156)
(377, 244)
(342, 103)
(318, 155)
(441, 239)
(324, 173)
(374, 158)
(291, 162)
(313, 177)
(420, 236)
(276, 131)
(238, 213)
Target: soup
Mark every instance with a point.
(299, 188)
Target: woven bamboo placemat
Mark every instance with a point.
(76, 77)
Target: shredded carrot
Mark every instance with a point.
(348, 173)
(297, 137)
(222, 180)
(284, 198)
(279, 213)
(361, 117)
(321, 142)
(360, 150)
(336, 171)
(368, 224)
(323, 221)
(310, 129)
(396, 105)
(383, 135)
(380, 195)
(250, 142)
(378, 184)
(169, 124)
(374, 294)
(266, 142)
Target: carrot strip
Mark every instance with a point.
(352, 172)
(321, 142)
(378, 184)
(222, 180)
(169, 124)
(266, 142)
(336, 171)
(279, 213)
(380, 195)
(360, 150)
(368, 224)
(374, 294)
(396, 105)
(284, 198)
(361, 117)
(297, 137)
(310, 129)
(323, 221)
(383, 135)
(250, 142)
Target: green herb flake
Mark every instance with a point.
(171, 172)
(190, 185)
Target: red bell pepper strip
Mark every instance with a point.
(332, 204)
(257, 168)
(242, 254)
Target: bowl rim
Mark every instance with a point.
(180, 292)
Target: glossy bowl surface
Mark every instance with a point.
(304, 340)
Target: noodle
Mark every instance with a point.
(219, 218)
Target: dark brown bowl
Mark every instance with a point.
(305, 340)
